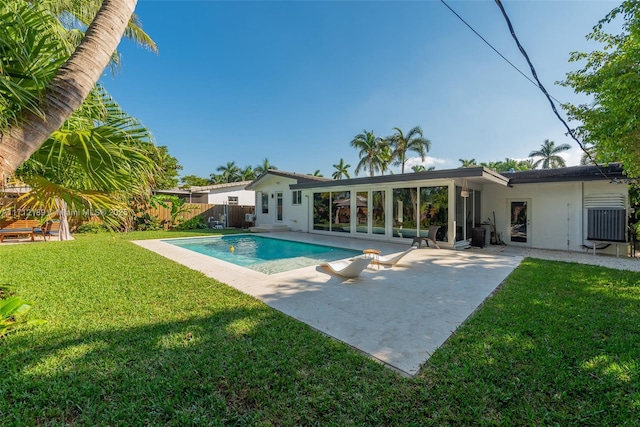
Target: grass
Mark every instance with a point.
(135, 339)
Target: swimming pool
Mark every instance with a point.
(263, 254)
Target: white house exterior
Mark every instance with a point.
(558, 209)
(232, 193)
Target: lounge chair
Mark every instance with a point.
(430, 237)
(392, 260)
(48, 229)
(351, 268)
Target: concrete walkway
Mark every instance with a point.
(398, 315)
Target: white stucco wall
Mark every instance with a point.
(293, 216)
(555, 210)
(221, 196)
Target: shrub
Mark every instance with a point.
(91, 227)
(195, 223)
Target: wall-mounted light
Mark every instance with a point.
(465, 189)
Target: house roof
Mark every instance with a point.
(301, 178)
(480, 174)
(207, 188)
(203, 189)
(611, 172)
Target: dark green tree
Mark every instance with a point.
(610, 124)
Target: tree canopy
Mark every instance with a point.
(610, 125)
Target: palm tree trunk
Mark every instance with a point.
(68, 89)
(64, 232)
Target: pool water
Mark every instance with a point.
(264, 254)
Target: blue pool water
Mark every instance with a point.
(264, 254)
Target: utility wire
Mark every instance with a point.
(542, 88)
(491, 46)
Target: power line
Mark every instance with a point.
(491, 46)
(544, 91)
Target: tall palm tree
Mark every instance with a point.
(549, 155)
(247, 174)
(91, 165)
(384, 158)
(72, 83)
(412, 141)
(369, 147)
(265, 166)
(229, 172)
(316, 173)
(341, 170)
(468, 163)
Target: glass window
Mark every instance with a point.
(265, 203)
(233, 200)
(362, 212)
(296, 197)
(341, 212)
(404, 212)
(278, 206)
(378, 212)
(462, 220)
(321, 211)
(434, 210)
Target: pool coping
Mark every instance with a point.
(397, 315)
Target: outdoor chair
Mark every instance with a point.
(431, 236)
(50, 228)
(349, 269)
(392, 260)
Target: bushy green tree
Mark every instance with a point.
(610, 124)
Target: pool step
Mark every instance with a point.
(266, 228)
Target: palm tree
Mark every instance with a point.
(342, 170)
(370, 147)
(229, 172)
(247, 174)
(92, 165)
(422, 168)
(265, 166)
(316, 173)
(412, 141)
(384, 158)
(72, 83)
(468, 163)
(549, 155)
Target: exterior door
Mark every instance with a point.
(520, 222)
(370, 212)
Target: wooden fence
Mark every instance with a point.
(229, 215)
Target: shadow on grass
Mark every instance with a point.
(235, 366)
(559, 339)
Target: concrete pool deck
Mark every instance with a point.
(399, 316)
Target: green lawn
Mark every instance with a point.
(135, 339)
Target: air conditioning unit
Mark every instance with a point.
(607, 224)
(248, 217)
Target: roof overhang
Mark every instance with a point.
(300, 178)
(480, 175)
(613, 172)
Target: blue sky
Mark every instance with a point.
(295, 81)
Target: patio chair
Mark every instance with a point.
(392, 260)
(349, 269)
(431, 236)
(50, 228)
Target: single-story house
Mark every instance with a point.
(232, 193)
(570, 208)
